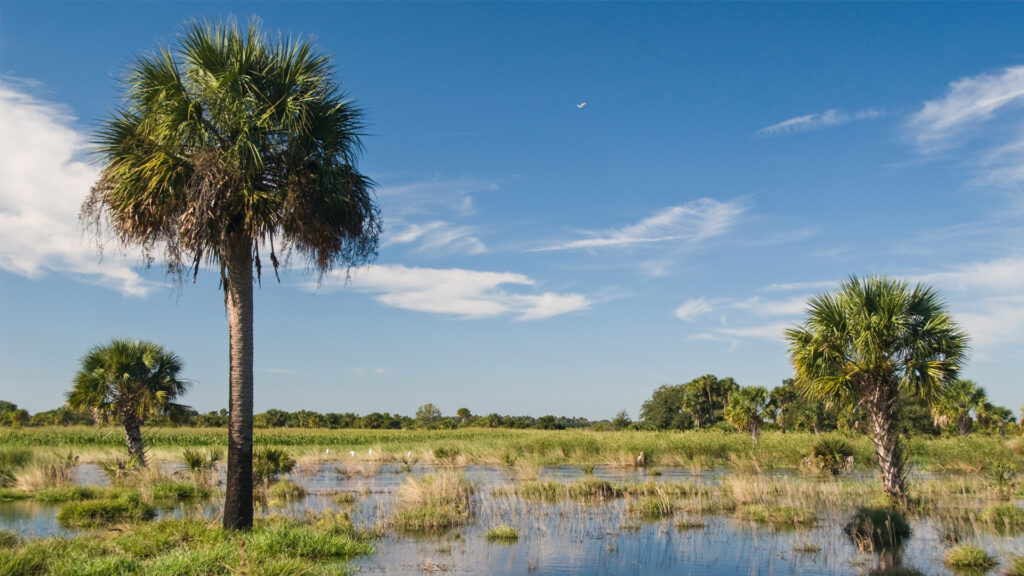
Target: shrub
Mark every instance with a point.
(1001, 478)
(198, 461)
(832, 455)
(268, 463)
(878, 528)
(967, 556)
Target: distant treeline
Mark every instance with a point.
(702, 403)
(427, 417)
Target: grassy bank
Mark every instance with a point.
(702, 449)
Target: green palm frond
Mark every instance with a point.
(229, 133)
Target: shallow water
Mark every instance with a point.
(566, 538)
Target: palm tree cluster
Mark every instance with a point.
(228, 145)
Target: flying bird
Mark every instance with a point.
(581, 105)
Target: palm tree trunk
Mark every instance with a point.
(890, 452)
(238, 510)
(133, 437)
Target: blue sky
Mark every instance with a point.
(539, 257)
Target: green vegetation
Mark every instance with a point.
(967, 556)
(588, 488)
(832, 455)
(168, 488)
(745, 409)
(868, 345)
(104, 512)
(433, 503)
(171, 547)
(1015, 566)
(286, 490)
(269, 463)
(128, 381)
(504, 533)
(651, 507)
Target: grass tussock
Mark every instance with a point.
(585, 489)
(878, 528)
(1015, 566)
(170, 489)
(968, 556)
(105, 512)
(504, 533)
(46, 471)
(433, 503)
(12, 460)
(651, 508)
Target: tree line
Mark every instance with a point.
(712, 402)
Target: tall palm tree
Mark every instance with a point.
(870, 342)
(128, 380)
(957, 403)
(227, 145)
(745, 409)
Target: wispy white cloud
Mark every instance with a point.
(458, 292)
(365, 372)
(432, 195)
(438, 237)
(762, 307)
(43, 181)
(690, 223)
(819, 121)
(692, 309)
(968, 103)
(801, 286)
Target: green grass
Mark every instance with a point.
(651, 508)
(503, 533)
(967, 556)
(169, 489)
(105, 512)
(486, 446)
(177, 547)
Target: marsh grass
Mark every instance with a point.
(968, 556)
(690, 523)
(105, 512)
(171, 489)
(503, 534)
(652, 507)
(46, 471)
(586, 489)
(12, 460)
(433, 503)
(1015, 566)
(691, 449)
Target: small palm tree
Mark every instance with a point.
(870, 342)
(128, 380)
(227, 146)
(956, 405)
(782, 401)
(746, 408)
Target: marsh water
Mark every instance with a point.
(563, 538)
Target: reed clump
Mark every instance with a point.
(878, 528)
(777, 515)
(969, 556)
(433, 503)
(105, 512)
(503, 533)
